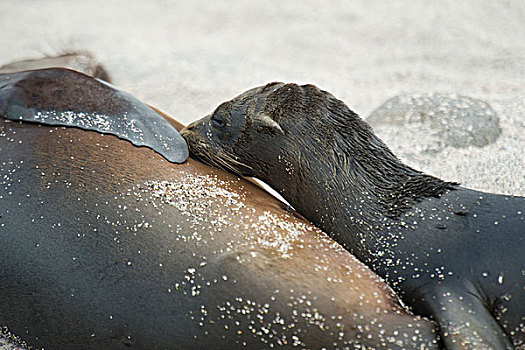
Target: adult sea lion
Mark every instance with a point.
(453, 254)
(107, 245)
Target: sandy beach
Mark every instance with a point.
(186, 57)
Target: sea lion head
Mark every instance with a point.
(267, 128)
(241, 134)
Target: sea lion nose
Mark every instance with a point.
(191, 126)
(198, 124)
(190, 130)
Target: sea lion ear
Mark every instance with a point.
(267, 123)
(57, 96)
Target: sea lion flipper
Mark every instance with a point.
(58, 96)
(464, 321)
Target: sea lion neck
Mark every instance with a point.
(360, 188)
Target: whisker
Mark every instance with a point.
(215, 157)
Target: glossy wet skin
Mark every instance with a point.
(435, 242)
(57, 96)
(131, 250)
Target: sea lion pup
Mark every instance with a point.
(451, 253)
(105, 245)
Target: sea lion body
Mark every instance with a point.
(107, 245)
(453, 254)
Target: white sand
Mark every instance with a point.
(186, 57)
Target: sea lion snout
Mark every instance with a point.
(195, 133)
(204, 147)
(194, 125)
(192, 137)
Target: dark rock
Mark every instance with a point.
(449, 119)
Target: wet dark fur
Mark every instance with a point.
(406, 225)
(349, 143)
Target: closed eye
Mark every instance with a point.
(218, 123)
